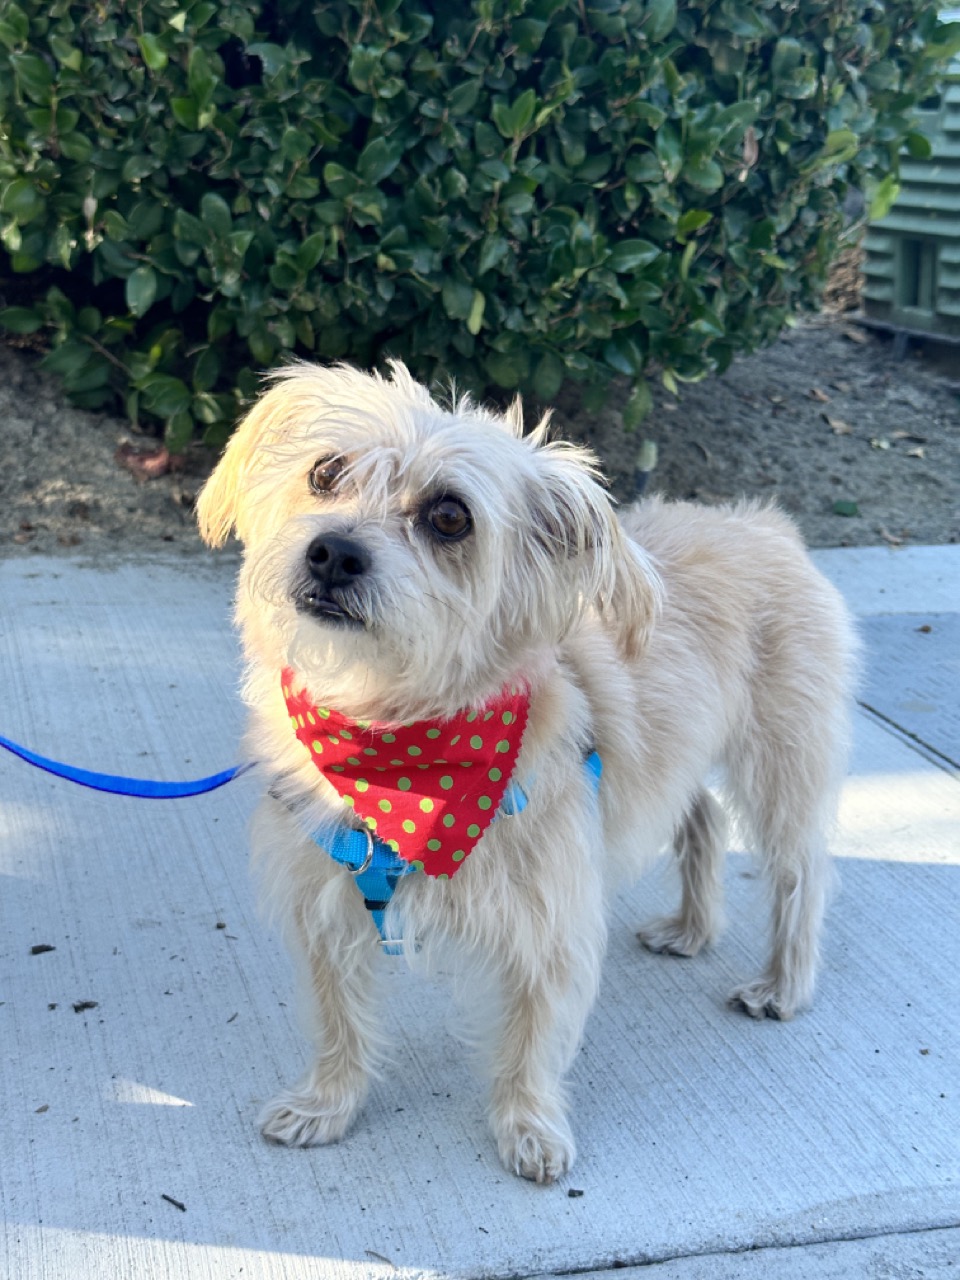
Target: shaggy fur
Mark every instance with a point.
(673, 640)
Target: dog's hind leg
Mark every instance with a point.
(699, 844)
(789, 807)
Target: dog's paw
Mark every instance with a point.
(299, 1118)
(536, 1147)
(763, 999)
(673, 935)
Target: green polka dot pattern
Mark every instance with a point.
(429, 789)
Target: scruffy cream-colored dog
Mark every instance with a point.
(448, 635)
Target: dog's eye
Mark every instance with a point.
(449, 518)
(325, 474)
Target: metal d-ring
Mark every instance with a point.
(369, 858)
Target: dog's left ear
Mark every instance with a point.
(575, 521)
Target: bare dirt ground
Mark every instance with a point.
(824, 422)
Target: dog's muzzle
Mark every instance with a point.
(336, 566)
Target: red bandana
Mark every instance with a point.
(428, 789)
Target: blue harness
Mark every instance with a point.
(377, 869)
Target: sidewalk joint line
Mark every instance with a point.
(620, 1264)
(939, 758)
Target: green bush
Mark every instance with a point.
(509, 192)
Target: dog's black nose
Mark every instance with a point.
(335, 561)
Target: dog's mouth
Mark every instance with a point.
(325, 606)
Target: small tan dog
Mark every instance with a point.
(411, 570)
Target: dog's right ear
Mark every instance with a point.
(220, 503)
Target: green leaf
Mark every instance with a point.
(528, 33)
(623, 354)
(883, 197)
(669, 151)
(165, 395)
(206, 370)
(705, 175)
(799, 83)
(504, 370)
(311, 251)
(463, 98)
(76, 146)
(185, 112)
(638, 406)
(179, 431)
(686, 258)
(20, 320)
(273, 57)
(215, 214)
(295, 144)
(659, 19)
(21, 199)
(475, 318)
(379, 158)
(33, 75)
(630, 255)
(68, 359)
(918, 145)
(512, 119)
(691, 222)
(200, 77)
(141, 290)
(14, 26)
(493, 250)
(341, 183)
(845, 507)
(548, 377)
(152, 52)
(457, 299)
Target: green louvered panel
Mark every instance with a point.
(912, 260)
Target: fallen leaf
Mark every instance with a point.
(843, 387)
(776, 399)
(46, 1106)
(816, 394)
(855, 335)
(926, 628)
(879, 442)
(39, 948)
(845, 507)
(145, 464)
(918, 452)
(891, 538)
(838, 426)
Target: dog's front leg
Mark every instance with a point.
(335, 948)
(546, 994)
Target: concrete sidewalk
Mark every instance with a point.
(138, 1044)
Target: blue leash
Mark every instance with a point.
(115, 784)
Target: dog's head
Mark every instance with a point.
(410, 559)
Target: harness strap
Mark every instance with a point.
(377, 869)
